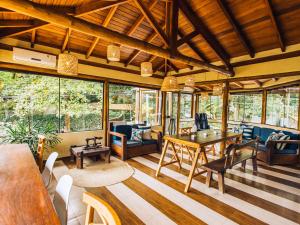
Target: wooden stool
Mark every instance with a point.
(105, 211)
(40, 151)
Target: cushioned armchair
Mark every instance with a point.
(125, 148)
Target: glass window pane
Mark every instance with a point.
(185, 106)
(253, 107)
(150, 106)
(236, 107)
(81, 105)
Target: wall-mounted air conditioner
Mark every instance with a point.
(34, 58)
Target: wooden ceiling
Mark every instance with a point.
(208, 30)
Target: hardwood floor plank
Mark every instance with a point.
(278, 169)
(127, 217)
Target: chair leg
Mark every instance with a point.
(221, 182)
(244, 165)
(254, 163)
(208, 178)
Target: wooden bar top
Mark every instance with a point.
(24, 199)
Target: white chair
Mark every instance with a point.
(48, 170)
(61, 198)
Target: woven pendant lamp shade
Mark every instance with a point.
(67, 64)
(113, 53)
(170, 84)
(146, 69)
(189, 85)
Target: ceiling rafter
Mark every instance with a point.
(203, 30)
(148, 15)
(173, 20)
(108, 18)
(275, 25)
(51, 16)
(66, 40)
(239, 84)
(258, 83)
(185, 38)
(33, 38)
(92, 6)
(16, 23)
(236, 27)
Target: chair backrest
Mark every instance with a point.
(185, 130)
(40, 151)
(201, 121)
(104, 210)
(47, 172)
(233, 158)
(61, 198)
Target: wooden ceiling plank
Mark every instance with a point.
(33, 38)
(160, 66)
(236, 27)
(239, 84)
(51, 16)
(186, 38)
(258, 83)
(14, 32)
(275, 25)
(203, 30)
(108, 18)
(90, 7)
(173, 66)
(66, 40)
(15, 23)
(140, 18)
(148, 15)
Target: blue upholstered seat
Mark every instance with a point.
(130, 143)
(123, 129)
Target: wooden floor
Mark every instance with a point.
(270, 197)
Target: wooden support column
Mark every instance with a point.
(197, 104)
(163, 111)
(193, 106)
(178, 113)
(224, 117)
(105, 112)
(299, 112)
(264, 107)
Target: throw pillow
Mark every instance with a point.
(282, 136)
(147, 134)
(137, 134)
(272, 137)
(247, 133)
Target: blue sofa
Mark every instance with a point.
(122, 145)
(268, 152)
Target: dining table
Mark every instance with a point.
(195, 142)
(24, 199)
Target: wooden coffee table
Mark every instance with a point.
(79, 152)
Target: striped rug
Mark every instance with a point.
(270, 197)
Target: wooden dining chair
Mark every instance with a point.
(104, 210)
(61, 198)
(40, 151)
(48, 170)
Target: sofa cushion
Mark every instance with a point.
(265, 133)
(123, 129)
(149, 142)
(137, 134)
(287, 151)
(130, 143)
(256, 132)
(293, 136)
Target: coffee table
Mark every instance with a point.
(79, 152)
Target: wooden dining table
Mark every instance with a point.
(24, 199)
(195, 142)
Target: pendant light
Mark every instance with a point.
(189, 85)
(146, 69)
(170, 84)
(113, 53)
(67, 63)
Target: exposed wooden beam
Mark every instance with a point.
(174, 27)
(160, 66)
(63, 20)
(236, 27)
(66, 40)
(203, 30)
(186, 38)
(258, 83)
(33, 37)
(239, 84)
(140, 18)
(16, 23)
(148, 15)
(17, 31)
(108, 17)
(275, 25)
(92, 6)
(173, 66)
(2, 10)
(275, 79)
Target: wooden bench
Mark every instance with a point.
(235, 154)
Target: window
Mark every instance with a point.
(282, 107)
(133, 104)
(246, 107)
(171, 112)
(186, 106)
(58, 104)
(80, 105)
(211, 105)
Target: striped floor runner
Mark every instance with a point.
(270, 197)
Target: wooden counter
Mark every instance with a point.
(24, 199)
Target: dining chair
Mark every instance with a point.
(103, 209)
(48, 170)
(40, 151)
(61, 198)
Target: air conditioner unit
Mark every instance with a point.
(34, 58)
